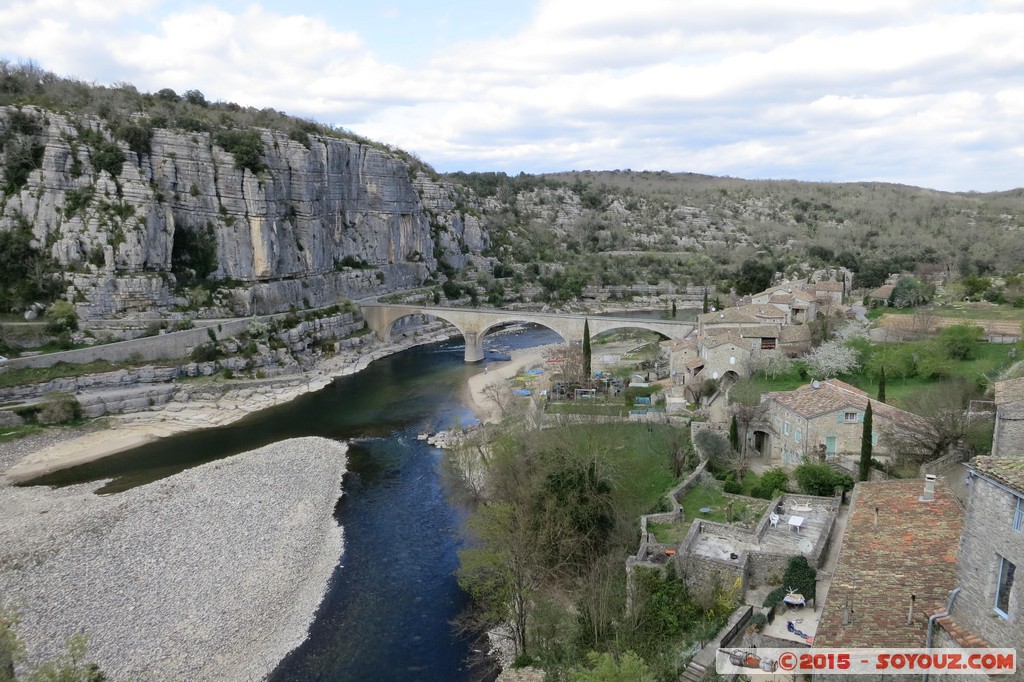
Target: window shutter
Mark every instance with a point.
(839, 417)
(860, 417)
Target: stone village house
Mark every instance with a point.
(824, 420)
(988, 608)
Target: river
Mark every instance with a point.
(388, 611)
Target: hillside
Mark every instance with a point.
(124, 202)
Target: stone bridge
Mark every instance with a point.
(474, 323)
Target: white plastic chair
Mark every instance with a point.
(773, 519)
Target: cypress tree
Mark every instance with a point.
(586, 349)
(705, 308)
(881, 386)
(865, 445)
(734, 434)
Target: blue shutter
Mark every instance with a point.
(839, 417)
(860, 417)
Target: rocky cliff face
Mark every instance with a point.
(180, 200)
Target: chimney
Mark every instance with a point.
(929, 489)
(910, 613)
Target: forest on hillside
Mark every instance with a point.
(552, 236)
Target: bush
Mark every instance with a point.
(770, 481)
(61, 317)
(712, 445)
(732, 487)
(774, 597)
(208, 352)
(245, 145)
(821, 479)
(59, 408)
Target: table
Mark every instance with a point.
(705, 510)
(795, 522)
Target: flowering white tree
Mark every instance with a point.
(770, 363)
(831, 359)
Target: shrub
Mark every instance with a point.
(107, 156)
(61, 317)
(732, 487)
(59, 408)
(208, 352)
(821, 479)
(770, 481)
(245, 145)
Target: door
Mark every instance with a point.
(830, 446)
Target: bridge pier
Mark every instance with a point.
(474, 346)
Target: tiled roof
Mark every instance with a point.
(1009, 391)
(827, 286)
(960, 634)
(1007, 470)
(696, 362)
(833, 395)
(805, 296)
(781, 298)
(795, 333)
(912, 551)
(713, 341)
(728, 316)
(770, 331)
(884, 291)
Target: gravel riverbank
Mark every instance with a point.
(212, 574)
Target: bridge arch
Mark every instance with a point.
(475, 323)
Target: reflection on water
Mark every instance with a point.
(388, 611)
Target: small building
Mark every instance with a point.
(989, 608)
(828, 292)
(882, 295)
(1009, 429)
(725, 354)
(897, 565)
(825, 420)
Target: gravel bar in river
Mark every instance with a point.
(212, 574)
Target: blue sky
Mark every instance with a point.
(920, 92)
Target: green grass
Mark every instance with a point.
(669, 533)
(964, 311)
(10, 433)
(609, 409)
(712, 497)
(635, 457)
(990, 358)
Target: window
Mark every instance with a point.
(1018, 515)
(850, 417)
(874, 438)
(732, 360)
(798, 435)
(786, 428)
(1003, 587)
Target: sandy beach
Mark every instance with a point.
(485, 409)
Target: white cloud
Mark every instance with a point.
(914, 91)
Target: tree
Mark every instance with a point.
(704, 307)
(753, 276)
(61, 317)
(570, 362)
(734, 434)
(944, 421)
(604, 668)
(66, 666)
(881, 385)
(910, 291)
(771, 482)
(818, 478)
(832, 359)
(586, 349)
(865, 444)
(770, 363)
(960, 341)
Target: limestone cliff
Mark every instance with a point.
(313, 209)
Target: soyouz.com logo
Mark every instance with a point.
(739, 660)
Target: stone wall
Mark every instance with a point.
(177, 345)
(988, 534)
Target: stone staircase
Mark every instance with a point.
(694, 672)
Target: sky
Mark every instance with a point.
(919, 92)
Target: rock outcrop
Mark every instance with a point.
(341, 215)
